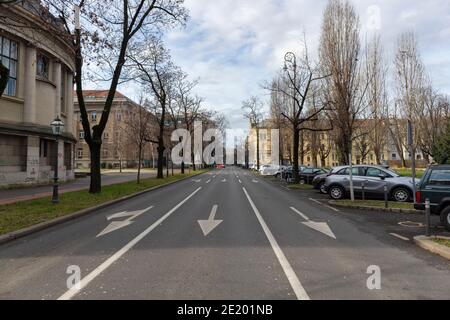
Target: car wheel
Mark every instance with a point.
(401, 195)
(322, 188)
(337, 193)
(302, 181)
(445, 218)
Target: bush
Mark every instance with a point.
(441, 151)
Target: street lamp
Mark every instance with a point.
(57, 129)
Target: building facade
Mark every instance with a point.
(119, 147)
(40, 86)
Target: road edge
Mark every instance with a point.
(428, 244)
(389, 210)
(8, 237)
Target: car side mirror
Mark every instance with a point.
(383, 177)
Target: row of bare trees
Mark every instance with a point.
(344, 93)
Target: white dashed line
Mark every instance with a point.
(325, 205)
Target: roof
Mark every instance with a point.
(101, 94)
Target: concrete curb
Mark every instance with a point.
(390, 210)
(8, 237)
(427, 243)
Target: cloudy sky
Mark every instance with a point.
(233, 46)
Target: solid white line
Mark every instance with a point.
(399, 236)
(300, 214)
(290, 273)
(208, 181)
(85, 281)
(325, 205)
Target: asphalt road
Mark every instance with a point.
(261, 242)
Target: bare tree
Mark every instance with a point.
(154, 69)
(340, 57)
(139, 130)
(299, 86)
(377, 100)
(253, 109)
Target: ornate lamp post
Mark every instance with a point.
(58, 129)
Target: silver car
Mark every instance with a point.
(373, 179)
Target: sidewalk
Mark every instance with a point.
(9, 196)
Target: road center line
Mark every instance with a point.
(290, 273)
(90, 277)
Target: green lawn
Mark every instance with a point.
(405, 172)
(21, 215)
(376, 203)
(300, 187)
(444, 242)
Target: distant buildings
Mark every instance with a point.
(119, 148)
(319, 149)
(40, 88)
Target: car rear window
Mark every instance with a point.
(439, 178)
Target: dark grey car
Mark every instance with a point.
(374, 179)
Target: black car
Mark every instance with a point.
(319, 181)
(307, 175)
(435, 186)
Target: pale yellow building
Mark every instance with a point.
(40, 87)
(119, 147)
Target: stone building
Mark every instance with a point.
(40, 86)
(119, 148)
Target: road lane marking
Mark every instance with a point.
(117, 225)
(300, 214)
(325, 205)
(322, 227)
(105, 265)
(207, 182)
(287, 268)
(209, 225)
(240, 181)
(399, 236)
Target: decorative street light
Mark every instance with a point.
(58, 129)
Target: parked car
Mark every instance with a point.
(435, 186)
(289, 173)
(319, 181)
(307, 175)
(269, 170)
(374, 178)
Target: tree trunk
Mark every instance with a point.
(139, 164)
(161, 158)
(257, 149)
(96, 177)
(182, 167)
(296, 155)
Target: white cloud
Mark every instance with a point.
(234, 45)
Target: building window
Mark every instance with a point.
(105, 154)
(394, 156)
(8, 56)
(94, 116)
(43, 66)
(119, 116)
(63, 91)
(81, 135)
(419, 157)
(43, 149)
(80, 154)
(106, 136)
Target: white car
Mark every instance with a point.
(269, 170)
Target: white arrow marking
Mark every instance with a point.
(255, 181)
(209, 225)
(318, 226)
(116, 225)
(196, 181)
